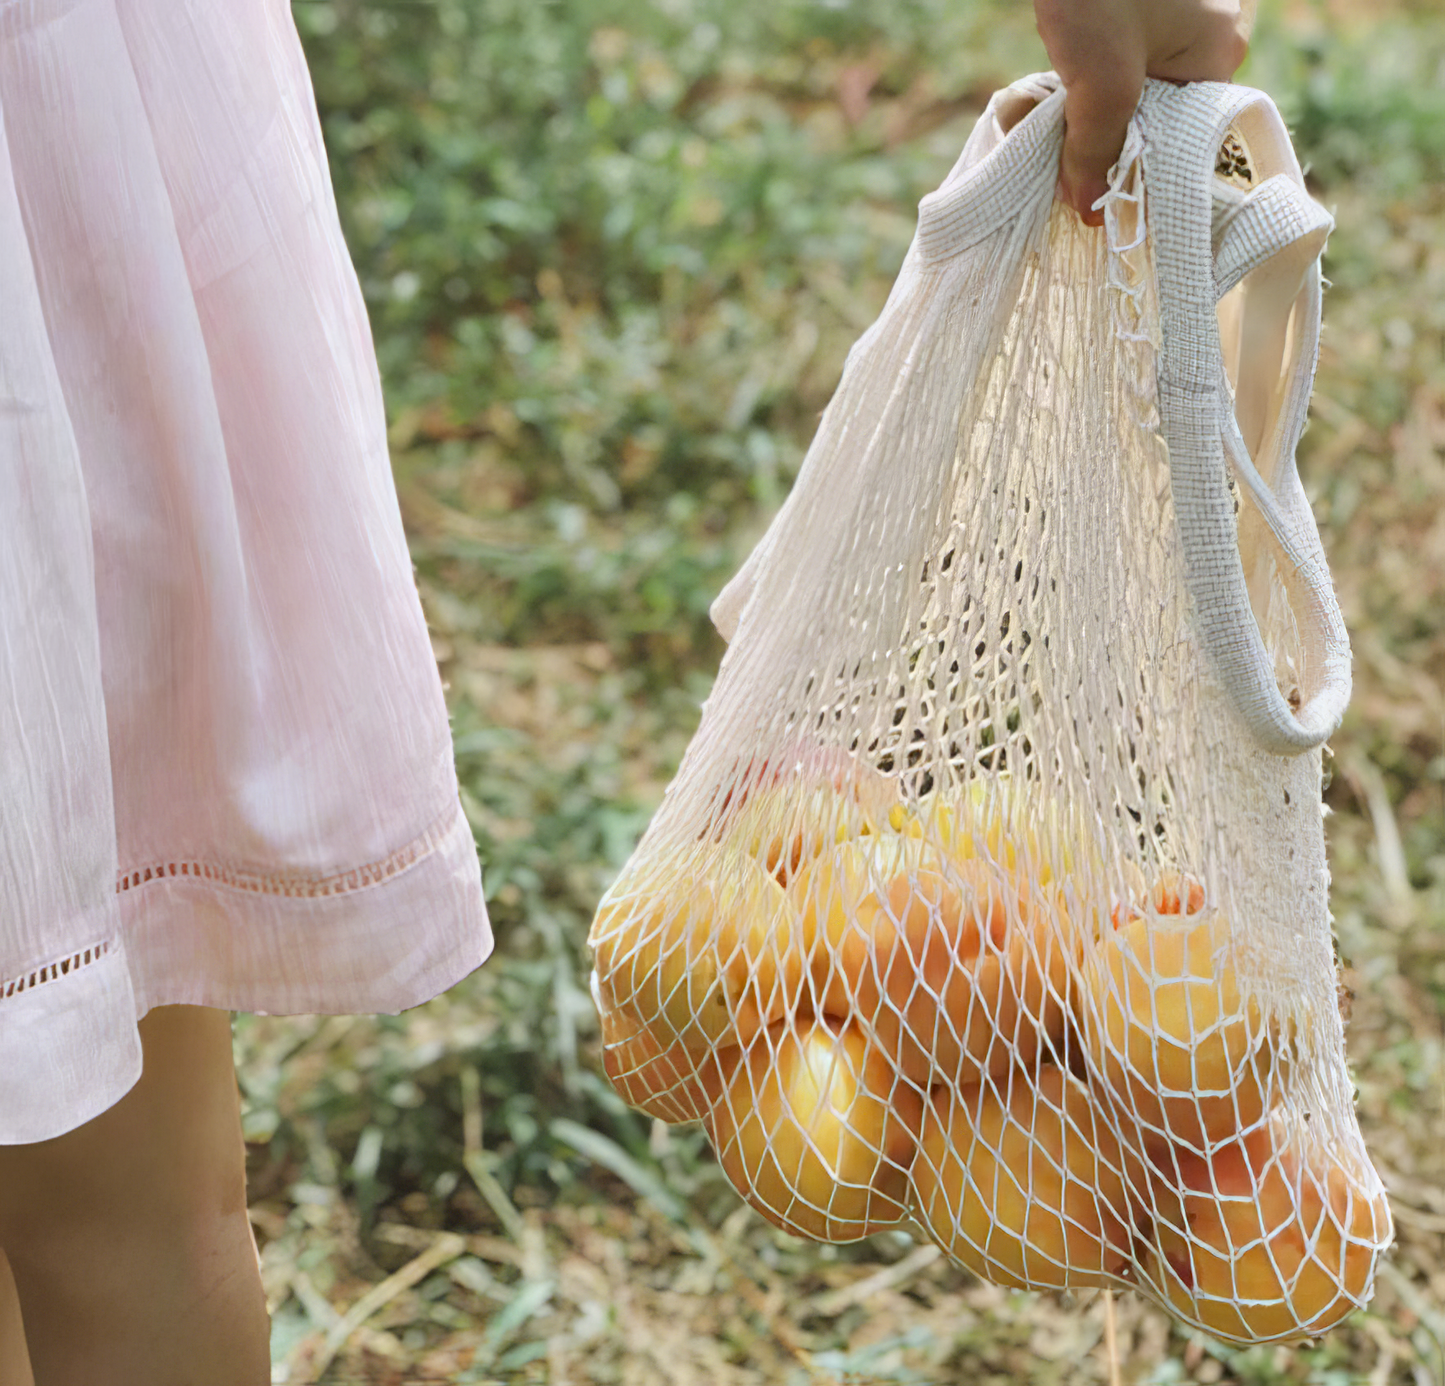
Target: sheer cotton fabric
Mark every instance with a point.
(227, 771)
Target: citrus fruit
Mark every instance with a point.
(1022, 1182)
(703, 956)
(1180, 1046)
(663, 1082)
(1273, 1244)
(813, 1127)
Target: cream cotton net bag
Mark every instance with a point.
(990, 898)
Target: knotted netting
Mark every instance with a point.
(990, 898)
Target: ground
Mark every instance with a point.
(614, 257)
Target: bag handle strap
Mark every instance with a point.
(1183, 128)
(1278, 213)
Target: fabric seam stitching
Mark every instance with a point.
(261, 883)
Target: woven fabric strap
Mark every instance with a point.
(1183, 128)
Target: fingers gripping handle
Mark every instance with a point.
(1183, 128)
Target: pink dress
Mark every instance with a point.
(226, 770)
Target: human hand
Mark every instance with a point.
(1104, 49)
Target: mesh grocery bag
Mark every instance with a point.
(990, 898)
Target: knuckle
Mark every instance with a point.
(1238, 47)
(1222, 39)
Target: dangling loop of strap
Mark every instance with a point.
(1302, 567)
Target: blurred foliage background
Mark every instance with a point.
(614, 254)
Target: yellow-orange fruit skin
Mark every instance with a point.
(702, 957)
(926, 967)
(988, 820)
(790, 806)
(1024, 1186)
(924, 952)
(1268, 1247)
(893, 949)
(812, 1126)
(1180, 1048)
(1045, 954)
(663, 1082)
(785, 828)
(999, 849)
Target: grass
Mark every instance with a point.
(614, 256)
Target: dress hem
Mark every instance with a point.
(391, 940)
(69, 1046)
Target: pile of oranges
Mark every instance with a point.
(888, 1014)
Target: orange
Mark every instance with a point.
(831, 889)
(925, 953)
(787, 807)
(785, 828)
(895, 947)
(702, 954)
(814, 1129)
(1273, 1244)
(1044, 956)
(929, 974)
(1022, 1182)
(1170, 1030)
(987, 819)
(664, 1083)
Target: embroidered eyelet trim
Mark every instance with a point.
(358, 878)
(52, 972)
(299, 887)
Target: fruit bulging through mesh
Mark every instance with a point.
(1269, 1243)
(1023, 1183)
(957, 969)
(703, 957)
(814, 1128)
(663, 1082)
(1182, 1049)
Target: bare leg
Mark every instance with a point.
(128, 1237)
(14, 1360)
